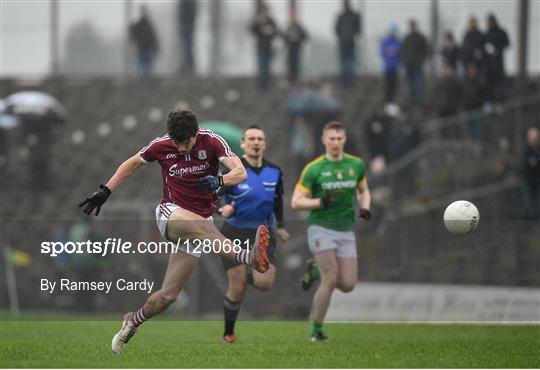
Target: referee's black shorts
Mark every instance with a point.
(233, 232)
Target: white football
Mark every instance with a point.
(461, 217)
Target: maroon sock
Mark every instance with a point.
(243, 257)
(139, 317)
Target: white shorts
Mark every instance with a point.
(163, 212)
(323, 239)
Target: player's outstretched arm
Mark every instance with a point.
(98, 198)
(124, 171)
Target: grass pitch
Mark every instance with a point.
(278, 344)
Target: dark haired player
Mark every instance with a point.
(256, 201)
(189, 158)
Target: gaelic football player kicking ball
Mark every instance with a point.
(189, 159)
(256, 201)
(327, 187)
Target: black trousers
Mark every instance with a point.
(390, 85)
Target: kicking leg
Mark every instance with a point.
(180, 267)
(186, 225)
(237, 277)
(264, 282)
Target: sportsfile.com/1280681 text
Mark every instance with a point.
(118, 246)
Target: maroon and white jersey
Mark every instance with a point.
(181, 171)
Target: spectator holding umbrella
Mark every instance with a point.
(320, 108)
(39, 115)
(315, 108)
(298, 134)
(8, 122)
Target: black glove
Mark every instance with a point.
(210, 183)
(96, 200)
(326, 200)
(364, 213)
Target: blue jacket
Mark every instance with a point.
(259, 199)
(390, 48)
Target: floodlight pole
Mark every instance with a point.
(54, 38)
(217, 36)
(361, 37)
(127, 21)
(434, 34)
(523, 38)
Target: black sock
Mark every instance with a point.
(230, 310)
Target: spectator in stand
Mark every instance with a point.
(414, 52)
(143, 35)
(294, 36)
(530, 174)
(377, 133)
(404, 136)
(449, 93)
(495, 41)
(348, 27)
(309, 109)
(473, 100)
(322, 107)
(40, 117)
(264, 29)
(187, 15)
(449, 97)
(390, 53)
(450, 51)
(299, 137)
(472, 49)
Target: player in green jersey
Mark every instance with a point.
(328, 187)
